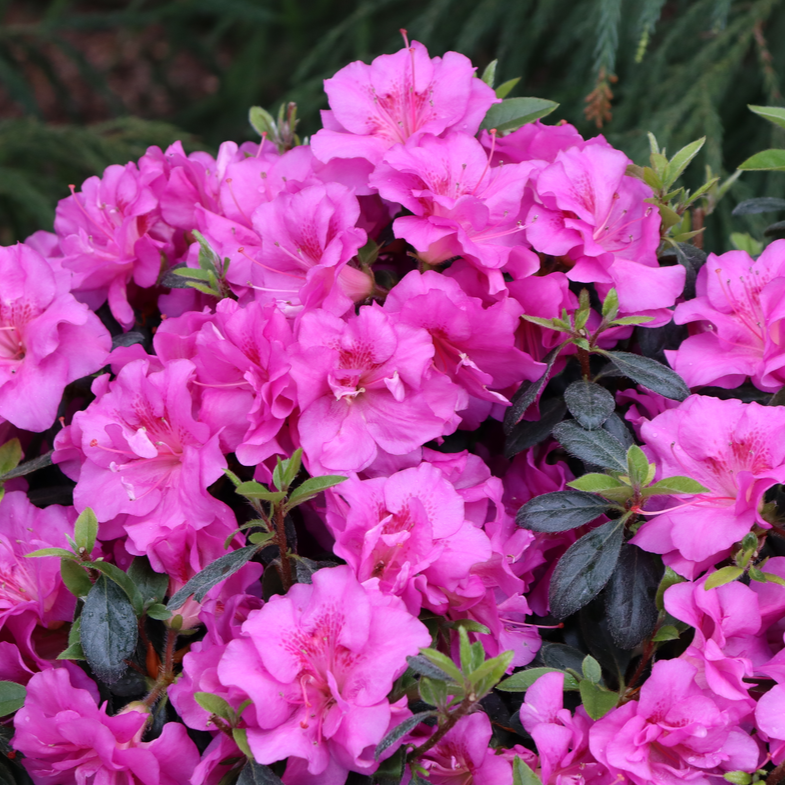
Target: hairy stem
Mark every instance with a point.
(463, 709)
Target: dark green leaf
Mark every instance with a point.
(123, 581)
(616, 428)
(651, 374)
(12, 696)
(522, 680)
(254, 773)
(630, 596)
(390, 771)
(597, 700)
(766, 160)
(85, 531)
(108, 629)
(221, 569)
(561, 656)
(399, 731)
(776, 230)
(763, 204)
(527, 393)
(515, 112)
(151, 585)
(560, 511)
(75, 578)
(585, 568)
(589, 404)
(594, 447)
(28, 467)
(527, 433)
(425, 667)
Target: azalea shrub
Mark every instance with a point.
(431, 449)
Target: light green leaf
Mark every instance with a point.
(681, 160)
(12, 696)
(597, 700)
(675, 486)
(522, 680)
(722, 576)
(522, 774)
(311, 487)
(215, 704)
(61, 552)
(598, 483)
(666, 633)
(489, 74)
(591, 669)
(10, 455)
(85, 531)
(766, 160)
(774, 114)
(505, 88)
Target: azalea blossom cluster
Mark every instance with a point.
(372, 305)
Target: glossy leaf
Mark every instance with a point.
(630, 596)
(527, 393)
(399, 731)
(762, 204)
(560, 511)
(585, 568)
(527, 433)
(212, 575)
(512, 113)
(108, 629)
(254, 773)
(651, 374)
(151, 585)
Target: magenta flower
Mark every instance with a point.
(68, 740)
(461, 206)
(396, 97)
(736, 321)
(307, 239)
(32, 593)
(463, 756)
(366, 385)
(592, 212)
(242, 372)
(409, 531)
(732, 449)
(318, 664)
(138, 452)
(47, 339)
(770, 719)
(111, 233)
(675, 733)
(473, 346)
(562, 738)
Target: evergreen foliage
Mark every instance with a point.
(681, 69)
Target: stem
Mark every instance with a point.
(452, 718)
(583, 356)
(646, 656)
(283, 549)
(166, 672)
(776, 775)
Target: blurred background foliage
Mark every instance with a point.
(86, 84)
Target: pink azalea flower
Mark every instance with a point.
(47, 339)
(307, 240)
(473, 345)
(736, 322)
(674, 733)
(461, 205)
(242, 372)
(532, 142)
(729, 447)
(112, 233)
(562, 738)
(770, 719)
(32, 593)
(398, 96)
(366, 385)
(318, 664)
(409, 531)
(589, 210)
(67, 739)
(463, 757)
(725, 648)
(141, 460)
